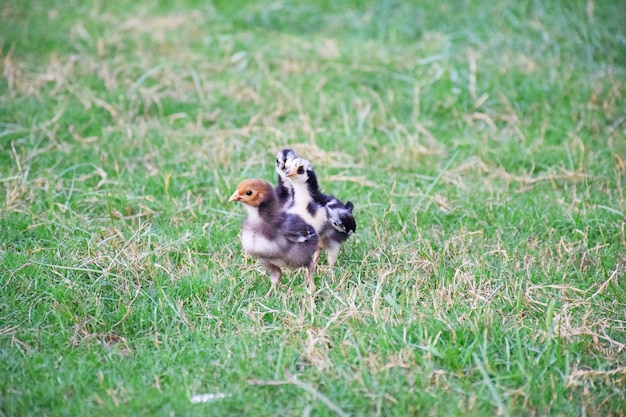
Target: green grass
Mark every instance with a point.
(482, 143)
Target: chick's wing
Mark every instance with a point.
(296, 230)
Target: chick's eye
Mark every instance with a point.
(300, 170)
(249, 193)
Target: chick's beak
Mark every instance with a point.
(235, 197)
(291, 172)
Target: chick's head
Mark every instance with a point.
(282, 158)
(297, 169)
(252, 192)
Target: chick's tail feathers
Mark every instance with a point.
(348, 222)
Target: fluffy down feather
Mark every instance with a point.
(284, 189)
(279, 239)
(333, 220)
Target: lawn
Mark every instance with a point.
(482, 143)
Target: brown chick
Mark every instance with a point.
(278, 239)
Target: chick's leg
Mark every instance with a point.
(316, 254)
(332, 252)
(275, 275)
(309, 277)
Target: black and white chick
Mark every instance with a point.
(279, 239)
(333, 220)
(284, 189)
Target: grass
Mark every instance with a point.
(482, 143)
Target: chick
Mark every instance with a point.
(333, 220)
(284, 189)
(278, 239)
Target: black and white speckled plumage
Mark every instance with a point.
(279, 239)
(341, 217)
(284, 189)
(333, 220)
